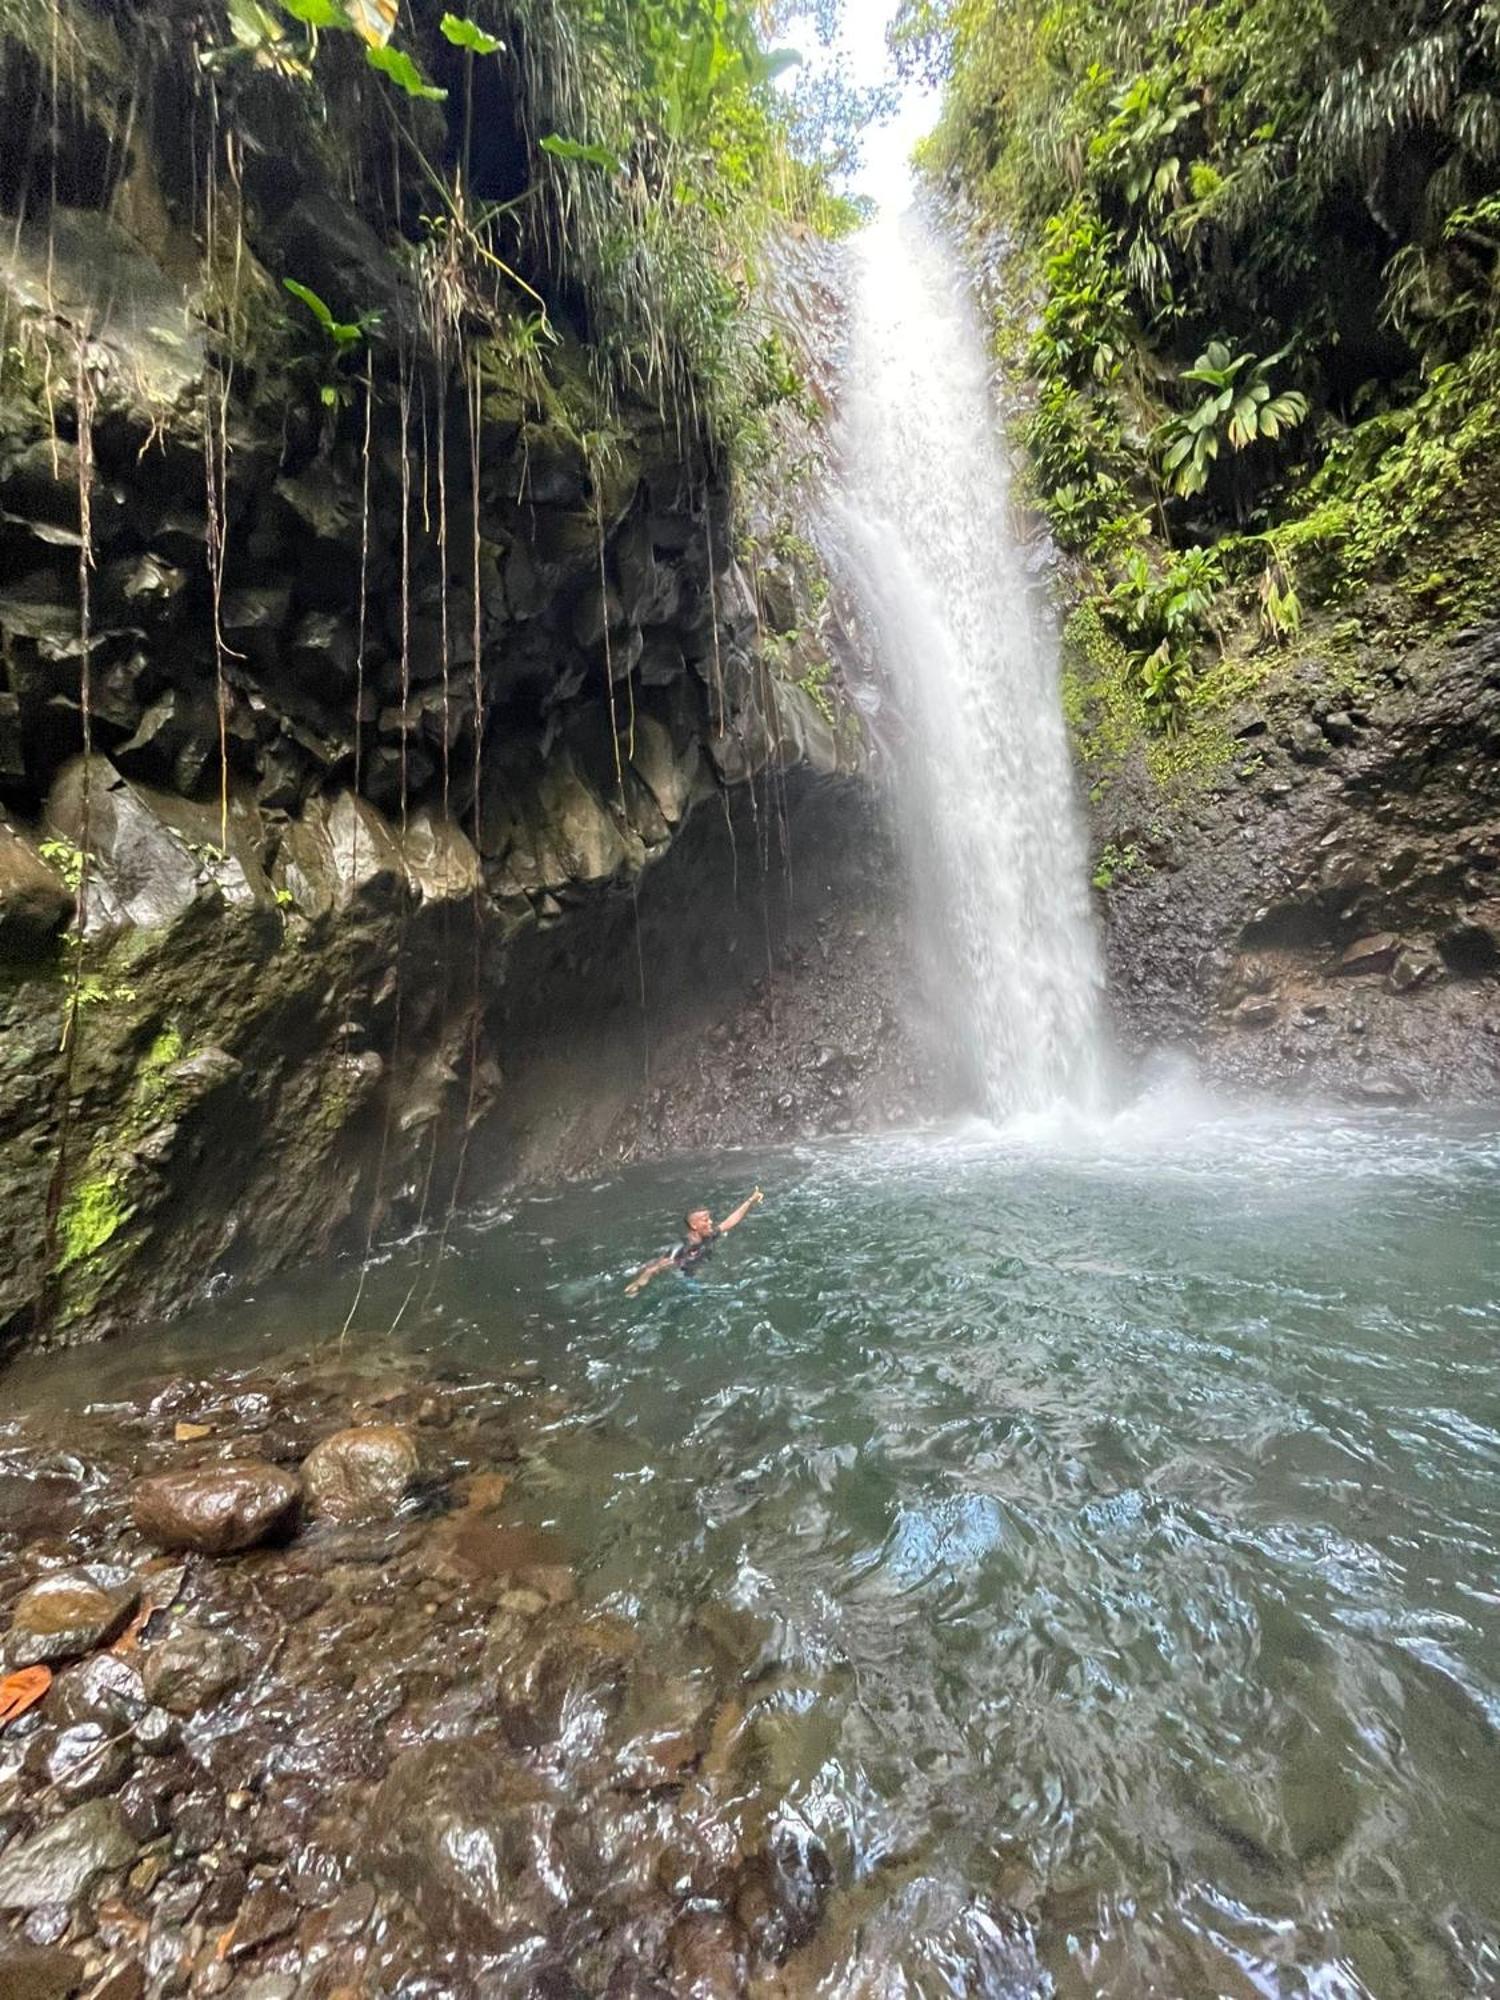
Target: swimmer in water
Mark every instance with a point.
(702, 1234)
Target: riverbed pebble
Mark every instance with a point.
(192, 1668)
(88, 1761)
(56, 1864)
(106, 1685)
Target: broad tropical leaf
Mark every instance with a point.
(399, 67)
(341, 331)
(574, 149)
(467, 35)
(316, 13)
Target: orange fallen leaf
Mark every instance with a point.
(130, 1638)
(226, 1940)
(22, 1690)
(190, 1433)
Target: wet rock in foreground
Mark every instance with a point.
(69, 1614)
(56, 1865)
(192, 1669)
(216, 1510)
(87, 1761)
(399, 1753)
(361, 1474)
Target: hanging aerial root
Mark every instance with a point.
(83, 394)
(473, 411)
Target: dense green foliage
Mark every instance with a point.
(1264, 241)
(707, 159)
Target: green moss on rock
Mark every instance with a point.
(95, 1212)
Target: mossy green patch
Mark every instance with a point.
(99, 1204)
(168, 1048)
(1101, 694)
(95, 1212)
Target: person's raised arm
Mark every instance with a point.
(733, 1221)
(646, 1273)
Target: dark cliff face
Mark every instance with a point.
(399, 680)
(1322, 914)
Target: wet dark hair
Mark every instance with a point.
(687, 1220)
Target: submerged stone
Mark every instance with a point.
(69, 1614)
(468, 1838)
(107, 1685)
(669, 1721)
(59, 1863)
(265, 1915)
(707, 1952)
(88, 1761)
(193, 1668)
(931, 1936)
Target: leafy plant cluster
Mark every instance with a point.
(687, 153)
(1264, 240)
(662, 151)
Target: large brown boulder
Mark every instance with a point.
(216, 1509)
(360, 1474)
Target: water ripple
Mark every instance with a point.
(1123, 1501)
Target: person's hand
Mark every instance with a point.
(632, 1288)
(757, 1197)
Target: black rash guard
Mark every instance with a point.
(688, 1256)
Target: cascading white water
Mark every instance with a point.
(985, 796)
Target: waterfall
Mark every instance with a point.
(984, 795)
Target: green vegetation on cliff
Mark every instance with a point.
(386, 394)
(1258, 244)
(544, 169)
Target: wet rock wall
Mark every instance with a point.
(1322, 913)
(326, 687)
(756, 988)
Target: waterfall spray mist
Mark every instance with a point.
(984, 793)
